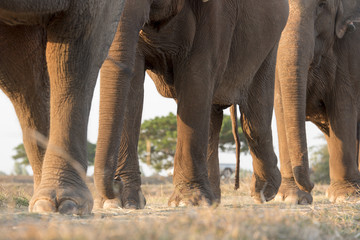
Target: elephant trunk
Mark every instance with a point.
(116, 74)
(294, 57)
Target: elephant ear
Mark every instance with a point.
(348, 12)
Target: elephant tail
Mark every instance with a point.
(35, 7)
(233, 115)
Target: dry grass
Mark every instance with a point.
(236, 218)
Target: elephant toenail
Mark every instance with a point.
(43, 206)
(68, 207)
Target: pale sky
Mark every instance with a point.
(154, 105)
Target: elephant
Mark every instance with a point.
(317, 80)
(51, 53)
(127, 181)
(207, 56)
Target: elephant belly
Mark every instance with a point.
(162, 84)
(12, 19)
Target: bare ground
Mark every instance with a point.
(236, 218)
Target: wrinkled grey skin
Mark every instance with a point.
(51, 52)
(207, 56)
(317, 79)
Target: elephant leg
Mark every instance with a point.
(256, 123)
(344, 173)
(76, 48)
(128, 175)
(357, 144)
(213, 151)
(192, 186)
(23, 47)
(72, 81)
(116, 75)
(288, 191)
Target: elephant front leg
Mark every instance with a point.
(191, 181)
(73, 68)
(344, 173)
(288, 191)
(23, 47)
(213, 151)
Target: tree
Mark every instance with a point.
(20, 169)
(91, 149)
(20, 155)
(157, 141)
(22, 160)
(320, 164)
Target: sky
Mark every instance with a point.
(154, 105)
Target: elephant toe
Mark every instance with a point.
(138, 203)
(43, 206)
(130, 206)
(68, 207)
(132, 198)
(191, 196)
(264, 190)
(290, 193)
(111, 203)
(344, 191)
(65, 200)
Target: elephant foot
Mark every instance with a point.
(217, 197)
(264, 190)
(190, 195)
(74, 199)
(101, 203)
(289, 192)
(302, 179)
(131, 196)
(127, 196)
(217, 192)
(344, 191)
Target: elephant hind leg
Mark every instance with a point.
(256, 116)
(213, 151)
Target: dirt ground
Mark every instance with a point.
(236, 218)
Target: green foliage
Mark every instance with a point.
(22, 160)
(320, 164)
(159, 135)
(21, 201)
(91, 149)
(20, 169)
(20, 155)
